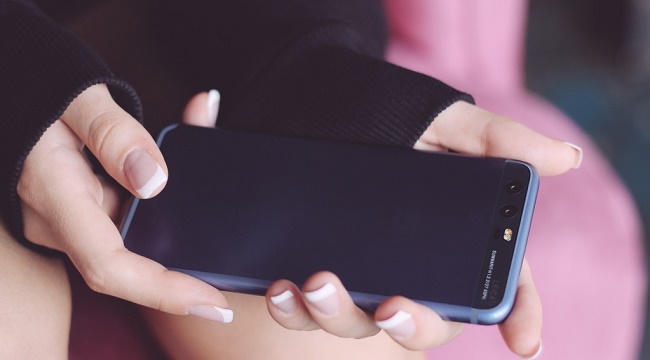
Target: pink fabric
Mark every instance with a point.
(586, 247)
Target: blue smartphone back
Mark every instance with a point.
(241, 210)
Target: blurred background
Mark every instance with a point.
(591, 58)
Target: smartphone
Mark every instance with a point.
(241, 210)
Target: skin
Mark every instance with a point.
(58, 188)
(35, 303)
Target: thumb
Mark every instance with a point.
(121, 144)
(469, 129)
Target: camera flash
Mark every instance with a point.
(507, 235)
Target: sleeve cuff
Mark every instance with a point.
(340, 94)
(43, 69)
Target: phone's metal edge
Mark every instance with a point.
(258, 287)
(490, 316)
(128, 216)
(164, 132)
(499, 313)
(229, 282)
(365, 301)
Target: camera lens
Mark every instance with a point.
(514, 187)
(508, 211)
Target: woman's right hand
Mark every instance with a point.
(323, 302)
(66, 207)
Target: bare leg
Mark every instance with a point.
(254, 335)
(35, 303)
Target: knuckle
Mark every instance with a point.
(23, 189)
(96, 279)
(494, 139)
(26, 188)
(161, 305)
(491, 137)
(107, 129)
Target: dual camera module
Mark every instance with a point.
(509, 210)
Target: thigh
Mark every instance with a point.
(254, 335)
(35, 303)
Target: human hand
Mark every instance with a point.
(324, 303)
(65, 206)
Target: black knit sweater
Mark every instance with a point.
(310, 68)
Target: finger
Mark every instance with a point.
(96, 249)
(522, 330)
(62, 202)
(332, 308)
(468, 129)
(285, 306)
(120, 143)
(202, 109)
(414, 326)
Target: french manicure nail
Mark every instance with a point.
(143, 172)
(213, 313)
(214, 97)
(324, 299)
(285, 302)
(537, 355)
(578, 160)
(400, 325)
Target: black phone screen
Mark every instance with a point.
(387, 221)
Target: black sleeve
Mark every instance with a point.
(42, 69)
(311, 68)
(304, 67)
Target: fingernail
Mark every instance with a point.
(214, 97)
(285, 302)
(537, 355)
(578, 160)
(400, 325)
(212, 313)
(324, 299)
(143, 172)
